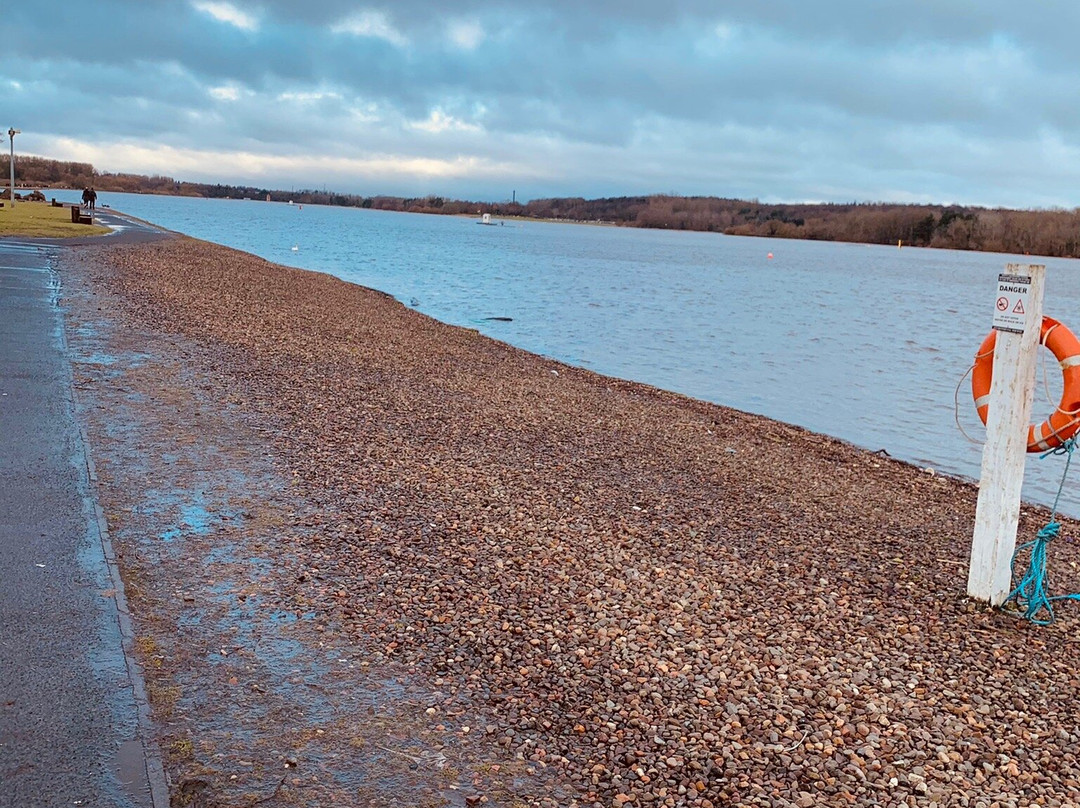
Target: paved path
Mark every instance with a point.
(71, 732)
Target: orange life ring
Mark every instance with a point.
(1064, 422)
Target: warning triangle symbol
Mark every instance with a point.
(1019, 307)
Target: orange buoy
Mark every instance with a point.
(769, 255)
(1064, 422)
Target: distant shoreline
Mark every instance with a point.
(1049, 233)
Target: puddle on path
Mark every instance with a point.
(129, 764)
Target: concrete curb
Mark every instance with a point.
(155, 768)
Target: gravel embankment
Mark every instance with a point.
(665, 601)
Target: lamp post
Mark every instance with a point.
(11, 134)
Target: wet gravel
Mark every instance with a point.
(656, 600)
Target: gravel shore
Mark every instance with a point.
(655, 600)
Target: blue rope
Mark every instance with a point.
(1030, 594)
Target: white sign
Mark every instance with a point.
(1011, 303)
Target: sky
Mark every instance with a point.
(925, 101)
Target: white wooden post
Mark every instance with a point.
(1012, 389)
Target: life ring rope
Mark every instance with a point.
(1068, 362)
(956, 407)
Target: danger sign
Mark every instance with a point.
(1010, 304)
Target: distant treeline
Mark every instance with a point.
(1037, 232)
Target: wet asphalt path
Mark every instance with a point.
(71, 731)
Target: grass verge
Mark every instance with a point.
(42, 220)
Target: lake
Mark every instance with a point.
(866, 343)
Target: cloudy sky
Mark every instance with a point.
(788, 100)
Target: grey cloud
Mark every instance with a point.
(802, 98)
(650, 73)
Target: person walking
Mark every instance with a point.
(93, 197)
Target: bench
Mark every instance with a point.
(78, 216)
